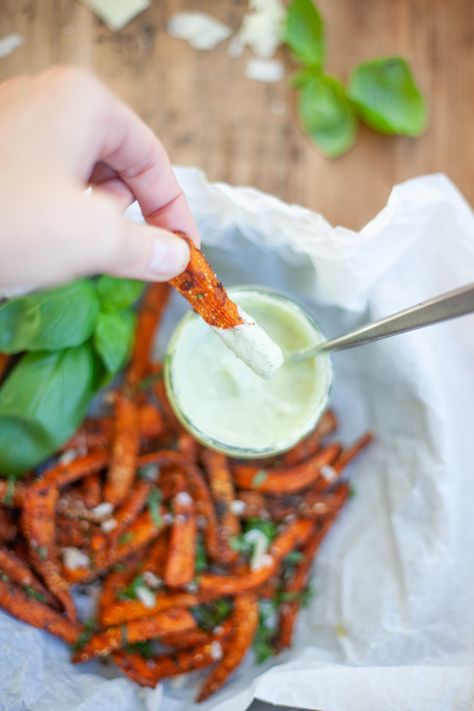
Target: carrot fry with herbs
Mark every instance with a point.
(125, 610)
(201, 288)
(19, 572)
(11, 493)
(106, 642)
(73, 532)
(65, 473)
(121, 472)
(222, 488)
(25, 608)
(136, 667)
(310, 445)
(281, 480)
(179, 569)
(151, 310)
(128, 512)
(91, 490)
(38, 524)
(245, 622)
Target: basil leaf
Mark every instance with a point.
(303, 32)
(49, 320)
(42, 402)
(327, 115)
(113, 338)
(118, 293)
(387, 97)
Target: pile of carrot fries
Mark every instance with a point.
(187, 545)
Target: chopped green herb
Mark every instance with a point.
(259, 477)
(264, 641)
(4, 577)
(154, 501)
(304, 597)
(42, 552)
(86, 634)
(34, 593)
(130, 592)
(119, 567)
(144, 649)
(201, 295)
(293, 558)
(244, 544)
(268, 528)
(211, 615)
(10, 491)
(149, 380)
(352, 490)
(201, 556)
(125, 538)
(149, 471)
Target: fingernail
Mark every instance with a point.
(169, 257)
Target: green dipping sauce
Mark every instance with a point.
(224, 404)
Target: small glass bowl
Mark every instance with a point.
(174, 360)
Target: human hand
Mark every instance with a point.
(59, 132)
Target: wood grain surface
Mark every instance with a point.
(209, 115)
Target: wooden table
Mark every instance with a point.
(209, 115)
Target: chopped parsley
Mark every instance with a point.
(130, 592)
(352, 491)
(293, 558)
(144, 649)
(10, 491)
(86, 634)
(259, 478)
(145, 383)
(303, 598)
(154, 501)
(244, 543)
(125, 538)
(212, 614)
(201, 556)
(264, 641)
(34, 593)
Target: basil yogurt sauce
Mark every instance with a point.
(225, 404)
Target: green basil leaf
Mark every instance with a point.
(327, 115)
(387, 97)
(49, 320)
(113, 338)
(118, 293)
(303, 32)
(42, 402)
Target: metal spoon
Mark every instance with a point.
(451, 304)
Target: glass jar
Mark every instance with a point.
(224, 405)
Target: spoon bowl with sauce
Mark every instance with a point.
(224, 404)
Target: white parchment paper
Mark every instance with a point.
(392, 623)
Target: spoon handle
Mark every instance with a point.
(449, 305)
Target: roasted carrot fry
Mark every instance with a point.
(38, 524)
(283, 480)
(11, 493)
(199, 490)
(180, 564)
(156, 555)
(62, 474)
(310, 445)
(214, 586)
(128, 512)
(150, 421)
(8, 527)
(151, 310)
(163, 458)
(136, 667)
(125, 610)
(222, 488)
(350, 453)
(36, 613)
(103, 643)
(123, 462)
(200, 287)
(188, 446)
(114, 581)
(172, 423)
(91, 490)
(245, 621)
(309, 504)
(20, 573)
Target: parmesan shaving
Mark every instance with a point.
(199, 29)
(266, 70)
(146, 596)
(73, 558)
(260, 29)
(9, 43)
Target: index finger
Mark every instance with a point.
(131, 148)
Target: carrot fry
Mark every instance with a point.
(62, 474)
(136, 667)
(199, 490)
(200, 287)
(125, 610)
(114, 581)
(91, 490)
(36, 613)
(188, 446)
(103, 643)
(123, 463)
(38, 524)
(152, 307)
(163, 458)
(11, 493)
(172, 423)
(309, 446)
(180, 564)
(156, 555)
(310, 504)
(214, 586)
(128, 512)
(284, 480)
(245, 621)
(350, 453)
(20, 573)
(150, 421)
(222, 488)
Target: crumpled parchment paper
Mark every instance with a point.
(392, 623)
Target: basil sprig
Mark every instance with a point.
(381, 92)
(70, 341)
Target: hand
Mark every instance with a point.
(59, 132)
